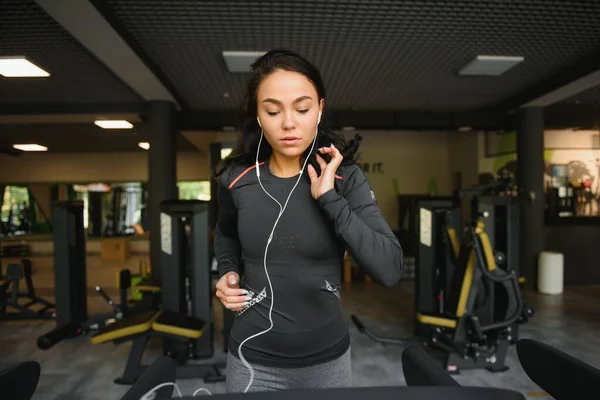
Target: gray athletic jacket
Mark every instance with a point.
(304, 260)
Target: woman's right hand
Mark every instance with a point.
(230, 294)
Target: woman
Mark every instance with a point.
(288, 222)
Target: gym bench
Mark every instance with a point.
(139, 328)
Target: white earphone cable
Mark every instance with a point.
(281, 211)
(151, 394)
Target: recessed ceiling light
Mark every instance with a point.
(348, 128)
(489, 65)
(113, 124)
(465, 129)
(20, 67)
(30, 147)
(144, 145)
(241, 61)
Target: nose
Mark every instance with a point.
(288, 121)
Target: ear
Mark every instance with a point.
(321, 106)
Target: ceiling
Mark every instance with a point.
(77, 76)
(386, 64)
(374, 55)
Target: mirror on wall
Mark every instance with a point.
(110, 208)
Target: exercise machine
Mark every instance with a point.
(185, 259)
(438, 228)
(126, 307)
(184, 322)
(70, 281)
(20, 380)
(502, 226)
(462, 338)
(465, 340)
(548, 367)
(379, 393)
(10, 307)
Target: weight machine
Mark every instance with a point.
(465, 340)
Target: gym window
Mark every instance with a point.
(194, 190)
(16, 206)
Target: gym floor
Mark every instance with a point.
(78, 370)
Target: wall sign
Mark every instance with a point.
(425, 224)
(376, 167)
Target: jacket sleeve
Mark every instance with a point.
(358, 221)
(228, 249)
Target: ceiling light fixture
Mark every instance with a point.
(348, 128)
(490, 65)
(144, 145)
(113, 124)
(30, 147)
(465, 129)
(20, 67)
(241, 61)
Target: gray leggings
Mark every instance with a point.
(332, 374)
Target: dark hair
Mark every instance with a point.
(249, 133)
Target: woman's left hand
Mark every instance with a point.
(324, 183)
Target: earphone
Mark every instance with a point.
(281, 211)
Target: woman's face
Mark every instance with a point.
(288, 109)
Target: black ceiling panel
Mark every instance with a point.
(66, 138)
(76, 75)
(379, 54)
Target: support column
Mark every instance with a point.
(530, 181)
(162, 171)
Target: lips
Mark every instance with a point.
(290, 140)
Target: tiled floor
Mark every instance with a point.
(78, 370)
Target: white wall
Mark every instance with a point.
(410, 158)
(93, 167)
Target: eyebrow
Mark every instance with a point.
(298, 100)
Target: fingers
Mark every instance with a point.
(337, 157)
(322, 162)
(234, 299)
(231, 292)
(312, 174)
(234, 306)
